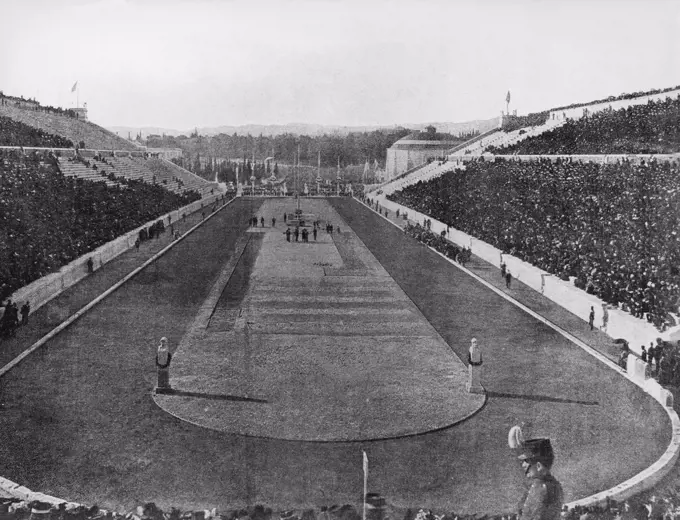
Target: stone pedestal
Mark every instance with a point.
(636, 368)
(474, 383)
(163, 379)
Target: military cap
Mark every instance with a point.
(537, 449)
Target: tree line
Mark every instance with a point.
(223, 153)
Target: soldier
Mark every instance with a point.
(544, 498)
(288, 234)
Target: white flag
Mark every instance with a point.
(73, 88)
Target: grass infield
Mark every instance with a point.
(79, 421)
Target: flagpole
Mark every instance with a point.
(365, 483)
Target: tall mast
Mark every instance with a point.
(297, 185)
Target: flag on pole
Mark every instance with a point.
(75, 85)
(507, 98)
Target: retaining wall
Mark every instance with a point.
(41, 291)
(621, 324)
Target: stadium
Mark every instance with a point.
(341, 341)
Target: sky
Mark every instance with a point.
(180, 64)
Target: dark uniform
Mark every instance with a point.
(544, 499)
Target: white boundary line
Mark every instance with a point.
(647, 477)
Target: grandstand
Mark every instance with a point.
(566, 125)
(94, 166)
(502, 138)
(649, 128)
(92, 135)
(94, 173)
(338, 344)
(649, 123)
(175, 175)
(38, 142)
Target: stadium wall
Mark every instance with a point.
(621, 324)
(41, 291)
(401, 160)
(579, 112)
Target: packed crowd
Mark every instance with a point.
(662, 359)
(638, 129)
(665, 505)
(35, 106)
(511, 123)
(47, 219)
(625, 95)
(14, 133)
(610, 228)
(438, 242)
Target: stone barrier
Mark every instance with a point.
(41, 291)
(486, 252)
(524, 272)
(621, 324)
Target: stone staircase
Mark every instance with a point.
(78, 169)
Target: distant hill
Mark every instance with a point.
(304, 129)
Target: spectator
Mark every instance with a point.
(612, 228)
(638, 129)
(25, 311)
(13, 132)
(44, 232)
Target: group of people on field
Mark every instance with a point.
(11, 317)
